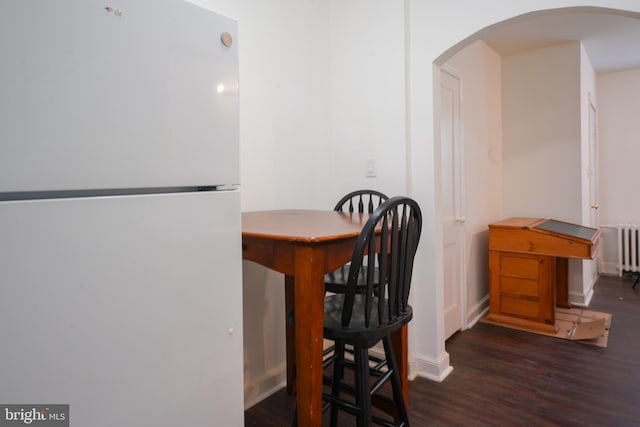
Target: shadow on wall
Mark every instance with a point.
(263, 332)
(608, 255)
(478, 275)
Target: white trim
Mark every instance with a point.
(450, 70)
(435, 370)
(583, 300)
(269, 382)
(477, 311)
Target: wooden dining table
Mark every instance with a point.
(304, 245)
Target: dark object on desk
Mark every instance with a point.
(568, 229)
(362, 201)
(363, 317)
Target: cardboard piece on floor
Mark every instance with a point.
(588, 330)
(568, 319)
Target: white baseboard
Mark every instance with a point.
(264, 386)
(435, 370)
(608, 268)
(583, 300)
(477, 311)
(421, 366)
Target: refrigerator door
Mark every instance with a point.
(126, 94)
(126, 308)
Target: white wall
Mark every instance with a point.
(619, 139)
(618, 130)
(479, 69)
(368, 95)
(541, 133)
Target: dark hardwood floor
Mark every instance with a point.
(504, 377)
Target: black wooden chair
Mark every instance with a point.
(360, 201)
(363, 317)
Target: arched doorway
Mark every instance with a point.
(491, 158)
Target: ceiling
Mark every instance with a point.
(610, 37)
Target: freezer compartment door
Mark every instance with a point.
(129, 94)
(129, 309)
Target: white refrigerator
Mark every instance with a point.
(120, 239)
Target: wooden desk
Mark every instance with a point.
(528, 268)
(304, 245)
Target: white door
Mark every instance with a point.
(593, 183)
(593, 166)
(451, 194)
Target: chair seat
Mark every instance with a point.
(357, 333)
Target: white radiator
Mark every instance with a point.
(628, 248)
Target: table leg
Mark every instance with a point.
(309, 331)
(401, 350)
(562, 282)
(289, 304)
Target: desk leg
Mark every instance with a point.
(309, 332)
(562, 282)
(289, 304)
(401, 350)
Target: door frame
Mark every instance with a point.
(594, 193)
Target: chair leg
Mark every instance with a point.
(363, 397)
(338, 373)
(294, 420)
(396, 384)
